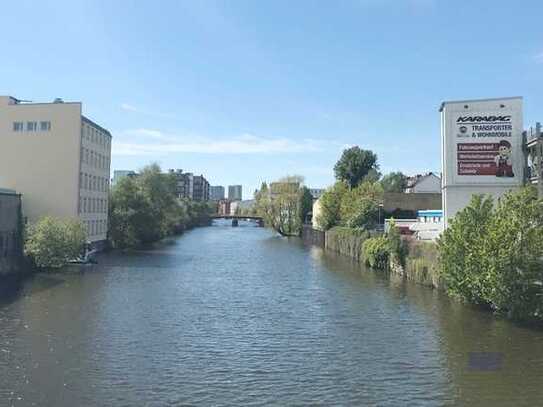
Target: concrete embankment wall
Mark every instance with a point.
(11, 235)
(313, 236)
(421, 265)
(414, 202)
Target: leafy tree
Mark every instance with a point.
(359, 207)
(330, 205)
(493, 255)
(354, 165)
(145, 208)
(53, 242)
(394, 182)
(306, 203)
(279, 205)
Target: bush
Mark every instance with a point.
(359, 206)
(376, 252)
(492, 255)
(52, 242)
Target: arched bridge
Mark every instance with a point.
(236, 218)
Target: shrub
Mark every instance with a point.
(52, 242)
(376, 252)
(492, 255)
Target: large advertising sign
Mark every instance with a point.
(483, 142)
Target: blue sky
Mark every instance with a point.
(245, 91)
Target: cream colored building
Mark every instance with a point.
(58, 159)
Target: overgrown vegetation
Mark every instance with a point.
(284, 204)
(347, 241)
(51, 242)
(491, 254)
(376, 251)
(379, 251)
(357, 207)
(145, 209)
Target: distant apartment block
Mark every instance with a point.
(190, 186)
(58, 159)
(201, 188)
(216, 192)
(234, 193)
(223, 207)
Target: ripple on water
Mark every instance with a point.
(238, 316)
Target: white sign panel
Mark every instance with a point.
(483, 142)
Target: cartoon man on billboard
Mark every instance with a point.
(504, 168)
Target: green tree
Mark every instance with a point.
(53, 242)
(491, 255)
(354, 165)
(394, 182)
(279, 205)
(330, 204)
(359, 207)
(305, 204)
(145, 208)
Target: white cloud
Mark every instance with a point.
(137, 142)
(131, 108)
(539, 58)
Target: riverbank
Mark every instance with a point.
(420, 266)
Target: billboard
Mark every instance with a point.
(481, 148)
(483, 142)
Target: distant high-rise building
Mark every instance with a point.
(234, 192)
(216, 192)
(59, 160)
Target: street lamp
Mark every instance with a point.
(380, 206)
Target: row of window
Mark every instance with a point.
(93, 182)
(92, 205)
(32, 126)
(93, 135)
(95, 227)
(94, 159)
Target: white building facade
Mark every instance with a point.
(59, 160)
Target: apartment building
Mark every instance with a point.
(190, 186)
(234, 192)
(201, 188)
(58, 159)
(216, 192)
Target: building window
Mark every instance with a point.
(45, 126)
(18, 126)
(31, 126)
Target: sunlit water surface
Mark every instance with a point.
(240, 316)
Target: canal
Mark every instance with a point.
(239, 316)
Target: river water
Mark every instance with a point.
(239, 316)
